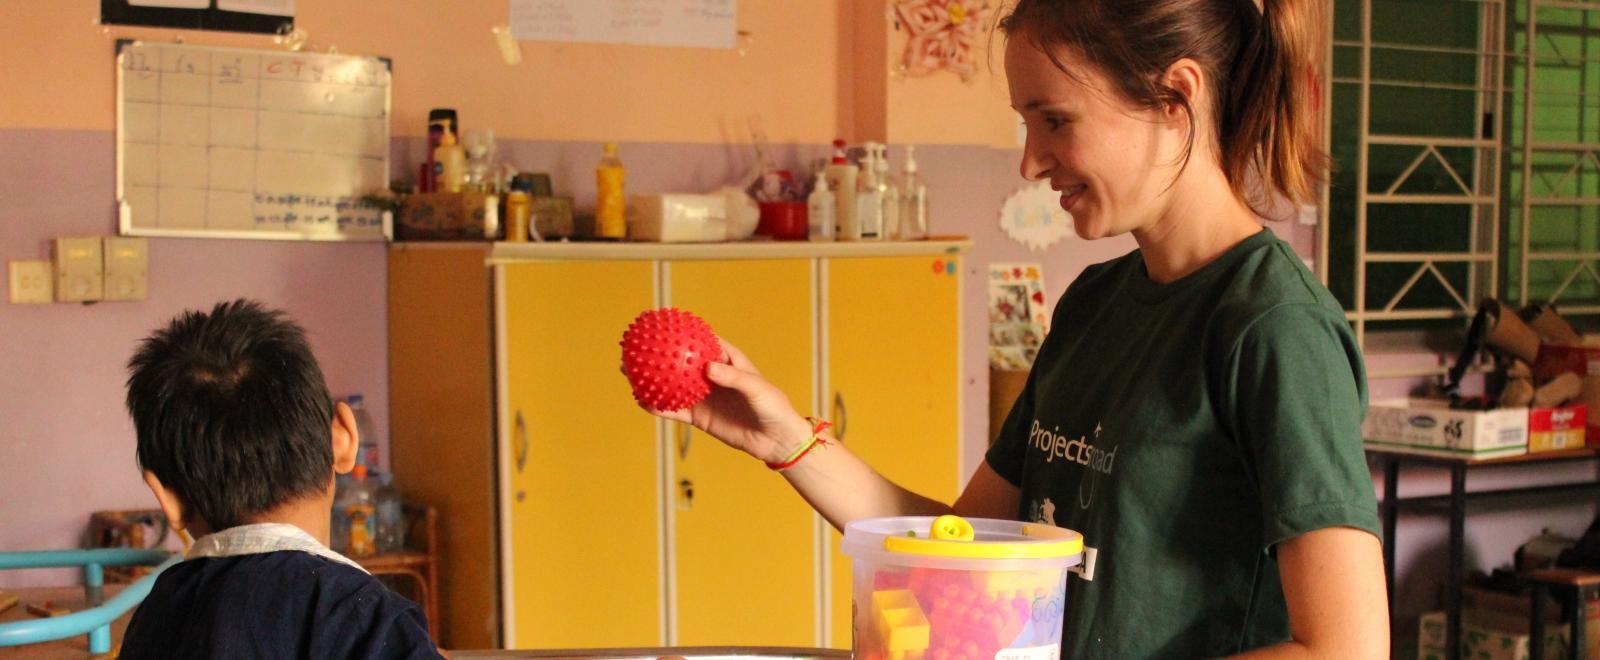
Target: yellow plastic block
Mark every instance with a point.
(901, 624)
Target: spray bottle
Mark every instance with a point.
(841, 176)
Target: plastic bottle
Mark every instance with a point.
(519, 208)
(391, 525)
(913, 200)
(610, 219)
(820, 207)
(450, 163)
(869, 197)
(841, 177)
(339, 525)
(480, 173)
(369, 455)
(888, 194)
(358, 510)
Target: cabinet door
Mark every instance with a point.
(579, 460)
(745, 550)
(893, 355)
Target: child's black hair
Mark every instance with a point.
(232, 412)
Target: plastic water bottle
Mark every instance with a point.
(339, 525)
(355, 516)
(369, 434)
(391, 516)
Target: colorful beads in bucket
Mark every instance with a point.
(954, 589)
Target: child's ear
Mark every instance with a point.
(345, 438)
(170, 504)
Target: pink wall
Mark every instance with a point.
(66, 444)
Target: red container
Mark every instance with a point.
(785, 221)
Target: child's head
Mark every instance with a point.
(233, 417)
(1122, 97)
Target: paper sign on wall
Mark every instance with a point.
(1018, 319)
(1033, 217)
(692, 23)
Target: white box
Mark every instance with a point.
(678, 218)
(1429, 426)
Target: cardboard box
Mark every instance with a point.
(1487, 636)
(1429, 426)
(1555, 429)
(1584, 360)
(448, 217)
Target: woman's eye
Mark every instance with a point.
(1054, 123)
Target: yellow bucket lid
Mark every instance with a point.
(958, 538)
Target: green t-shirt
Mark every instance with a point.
(1185, 429)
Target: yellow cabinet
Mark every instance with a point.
(572, 519)
(745, 545)
(893, 374)
(581, 566)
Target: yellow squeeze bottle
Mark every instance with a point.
(610, 219)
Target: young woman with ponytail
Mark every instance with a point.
(1196, 409)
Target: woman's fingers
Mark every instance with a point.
(732, 355)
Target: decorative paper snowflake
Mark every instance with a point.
(944, 34)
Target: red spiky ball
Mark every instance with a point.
(664, 354)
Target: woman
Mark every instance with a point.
(1196, 411)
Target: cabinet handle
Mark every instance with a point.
(685, 493)
(841, 416)
(522, 442)
(684, 436)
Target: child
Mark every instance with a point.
(239, 440)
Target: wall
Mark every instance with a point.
(808, 72)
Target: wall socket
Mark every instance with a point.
(32, 281)
(125, 268)
(80, 269)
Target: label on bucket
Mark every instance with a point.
(1046, 652)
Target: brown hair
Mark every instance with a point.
(1260, 61)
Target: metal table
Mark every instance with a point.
(1454, 504)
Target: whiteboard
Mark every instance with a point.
(236, 143)
(695, 23)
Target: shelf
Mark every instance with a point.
(1536, 457)
(503, 252)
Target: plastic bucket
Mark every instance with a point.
(947, 588)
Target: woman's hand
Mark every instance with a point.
(744, 410)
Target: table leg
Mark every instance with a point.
(1536, 626)
(1457, 572)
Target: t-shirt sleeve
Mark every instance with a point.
(1010, 447)
(1297, 399)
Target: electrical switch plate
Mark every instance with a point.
(80, 269)
(32, 282)
(126, 265)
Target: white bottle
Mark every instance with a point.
(889, 192)
(368, 454)
(913, 214)
(841, 177)
(869, 197)
(820, 207)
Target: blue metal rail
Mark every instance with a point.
(96, 620)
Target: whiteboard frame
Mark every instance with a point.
(125, 213)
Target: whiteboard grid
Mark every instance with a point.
(236, 143)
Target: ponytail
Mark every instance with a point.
(1268, 118)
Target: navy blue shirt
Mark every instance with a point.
(286, 604)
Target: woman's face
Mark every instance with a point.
(1112, 163)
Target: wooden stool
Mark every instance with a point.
(1574, 588)
(418, 562)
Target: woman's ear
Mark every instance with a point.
(345, 437)
(1186, 77)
